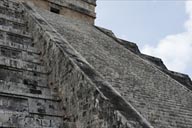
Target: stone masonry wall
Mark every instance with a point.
(82, 10)
(89, 101)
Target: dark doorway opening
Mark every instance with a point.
(55, 10)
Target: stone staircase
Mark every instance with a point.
(179, 77)
(26, 101)
(168, 113)
(167, 105)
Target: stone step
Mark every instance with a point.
(21, 65)
(22, 90)
(11, 12)
(160, 93)
(18, 54)
(15, 33)
(19, 38)
(11, 5)
(35, 121)
(13, 25)
(9, 119)
(18, 31)
(171, 122)
(31, 81)
(10, 29)
(170, 117)
(170, 110)
(165, 110)
(45, 107)
(15, 104)
(12, 19)
(163, 101)
(31, 105)
(20, 47)
(169, 107)
(24, 77)
(182, 115)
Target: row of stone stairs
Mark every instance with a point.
(26, 101)
(179, 77)
(165, 106)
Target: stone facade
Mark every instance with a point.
(57, 72)
(82, 10)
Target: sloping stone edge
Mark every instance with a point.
(108, 92)
(181, 78)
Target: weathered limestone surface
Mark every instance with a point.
(159, 98)
(181, 78)
(26, 101)
(82, 10)
(61, 73)
(89, 100)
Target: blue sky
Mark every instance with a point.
(160, 28)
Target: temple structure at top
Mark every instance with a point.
(82, 10)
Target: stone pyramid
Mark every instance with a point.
(59, 70)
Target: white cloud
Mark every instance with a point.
(176, 50)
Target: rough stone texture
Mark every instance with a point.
(89, 101)
(60, 73)
(160, 99)
(26, 101)
(82, 10)
(181, 78)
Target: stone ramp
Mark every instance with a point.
(26, 101)
(162, 100)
